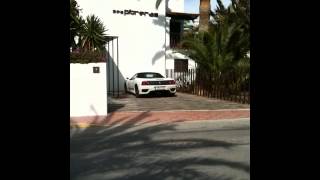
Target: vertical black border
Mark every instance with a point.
(36, 89)
(283, 39)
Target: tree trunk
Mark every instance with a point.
(204, 10)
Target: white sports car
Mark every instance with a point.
(146, 82)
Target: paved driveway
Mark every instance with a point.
(181, 101)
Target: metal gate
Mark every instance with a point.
(185, 80)
(113, 82)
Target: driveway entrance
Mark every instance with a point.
(181, 101)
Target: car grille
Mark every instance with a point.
(159, 82)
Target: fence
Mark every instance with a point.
(202, 84)
(113, 72)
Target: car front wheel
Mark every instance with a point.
(136, 91)
(125, 88)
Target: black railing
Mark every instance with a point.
(202, 84)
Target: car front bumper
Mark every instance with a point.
(147, 89)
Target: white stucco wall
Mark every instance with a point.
(176, 5)
(141, 38)
(88, 90)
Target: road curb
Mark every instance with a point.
(146, 117)
(86, 125)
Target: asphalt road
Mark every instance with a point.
(218, 150)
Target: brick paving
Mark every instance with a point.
(118, 118)
(183, 107)
(181, 101)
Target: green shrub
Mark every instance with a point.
(85, 57)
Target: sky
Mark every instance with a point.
(192, 6)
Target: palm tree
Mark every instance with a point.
(92, 34)
(75, 22)
(208, 50)
(222, 51)
(204, 9)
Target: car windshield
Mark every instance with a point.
(149, 75)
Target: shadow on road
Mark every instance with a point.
(127, 152)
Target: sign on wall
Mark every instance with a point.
(132, 12)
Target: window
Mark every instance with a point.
(133, 77)
(181, 65)
(175, 33)
(149, 75)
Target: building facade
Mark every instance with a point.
(145, 36)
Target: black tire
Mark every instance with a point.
(125, 88)
(136, 90)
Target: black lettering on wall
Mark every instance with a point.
(127, 12)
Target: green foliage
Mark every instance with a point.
(158, 2)
(222, 51)
(85, 57)
(75, 22)
(92, 34)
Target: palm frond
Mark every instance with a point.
(158, 2)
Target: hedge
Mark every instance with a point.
(87, 57)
